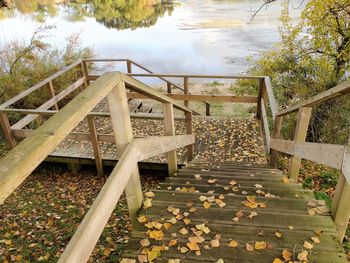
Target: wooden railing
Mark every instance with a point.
(19, 163)
(335, 156)
(21, 129)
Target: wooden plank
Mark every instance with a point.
(95, 145)
(122, 129)
(128, 66)
(52, 94)
(6, 128)
(169, 124)
(299, 136)
(154, 116)
(265, 124)
(22, 160)
(335, 92)
(85, 72)
(276, 135)
(327, 154)
(186, 79)
(260, 95)
(189, 130)
(272, 99)
(38, 86)
(48, 104)
(144, 89)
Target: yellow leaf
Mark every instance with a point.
(251, 199)
(192, 209)
(220, 260)
(203, 228)
(187, 221)
(206, 205)
(128, 260)
(193, 246)
(252, 214)
(303, 255)
(215, 243)
(202, 198)
(107, 252)
(277, 260)
(233, 243)
(260, 245)
(142, 219)
(196, 239)
(285, 180)
(233, 182)
(172, 242)
(167, 225)
(172, 220)
(44, 258)
(286, 254)
(147, 203)
(183, 231)
(278, 234)
(183, 250)
(211, 181)
(153, 253)
(174, 260)
(156, 234)
(250, 205)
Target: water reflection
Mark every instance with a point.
(119, 14)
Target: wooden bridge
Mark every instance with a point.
(210, 210)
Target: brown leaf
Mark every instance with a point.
(249, 247)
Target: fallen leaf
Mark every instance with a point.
(142, 258)
(260, 245)
(172, 242)
(145, 242)
(142, 219)
(252, 214)
(183, 250)
(206, 205)
(249, 247)
(193, 246)
(277, 260)
(156, 234)
(183, 231)
(316, 240)
(308, 245)
(202, 198)
(233, 244)
(220, 260)
(187, 221)
(211, 181)
(278, 234)
(150, 194)
(147, 203)
(197, 176)
(215, 243)
(286, 254)
(303, 255)
(153, 253)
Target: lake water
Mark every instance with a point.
(195, 36)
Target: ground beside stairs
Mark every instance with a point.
(233, 212)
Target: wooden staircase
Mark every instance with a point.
(284, 224)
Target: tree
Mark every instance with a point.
(313, 56)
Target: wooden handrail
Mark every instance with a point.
(335, 92)
(38, 85)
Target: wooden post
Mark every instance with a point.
(186, 90)
(207, 109)
(6, 127)
(168, 85)
(129, 66)
(340, 204)
(119, 109)
(261, 91)
(300, 136)
(85, 73)
(276, 135)
(342, 215)
(52, 94)
(169, 123)
(189, 130)
(95, 145)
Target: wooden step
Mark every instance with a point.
(250, 190)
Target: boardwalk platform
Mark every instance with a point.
(286, 217)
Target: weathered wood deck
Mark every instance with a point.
(224, 138)
(284, 224)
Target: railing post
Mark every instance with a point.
(186, 90)
(119, 109)
(85, 73)
(52, 94)
(128, 66)
(304, 115)
(168, 86)
(207, 109)
(189, 130)
(169, 123)
(276, 135)
(6, 127)
(258, 106)
(340, 204)
(95, 145)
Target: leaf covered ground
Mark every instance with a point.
(39, 218)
